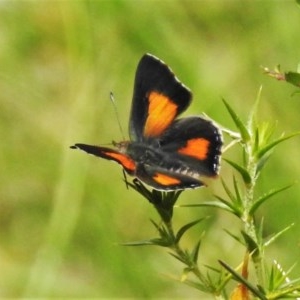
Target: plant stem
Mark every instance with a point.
(249, 199)
(248, 219)
(184, 255)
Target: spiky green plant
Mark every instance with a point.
(256, 142)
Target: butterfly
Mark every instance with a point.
(163, 151)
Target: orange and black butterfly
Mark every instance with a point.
(164, 152)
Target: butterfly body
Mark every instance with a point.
(164, 152)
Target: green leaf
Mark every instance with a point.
(235, 237)
(253, 113)
(241, 279)
(243, 172)
(222, 203)
(158, 227)
(239, 124)
(186, 227)
(181, 259)
(228, 206)
(214, 269)
(237, 193)
(256, 140)
(263, 134)
(260, 230)
(141, 189)
(138, 243)
(252, 246)
(219, 280)
(271, 145)
(277, 235)
(216, 204)
(267, 130)
(293, 78)
(166, 239)
(198, 286)
(228, 191)
(290, 291)
(162, 201)
(169, 198)
(278, 277)
(235, 206)
(262, 161)
(152, 242)
(195, 252)
(265, 197)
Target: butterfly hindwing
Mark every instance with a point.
(158, 98)
(197, 142)
(163, 179)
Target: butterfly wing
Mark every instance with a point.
(158, 98)
(189, 147)
(165, 180)
(127, 163)
(196, 142)
(158, 178)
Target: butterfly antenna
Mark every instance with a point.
(112, 99)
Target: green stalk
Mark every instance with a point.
(248, 218)
(192, 266)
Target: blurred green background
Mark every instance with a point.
(64, 213)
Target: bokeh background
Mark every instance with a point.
(63, 214)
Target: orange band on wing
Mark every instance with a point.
(197, 148)
(161, 113)
(165, 179)
(125, 161)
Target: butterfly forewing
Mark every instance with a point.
(158, 98)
